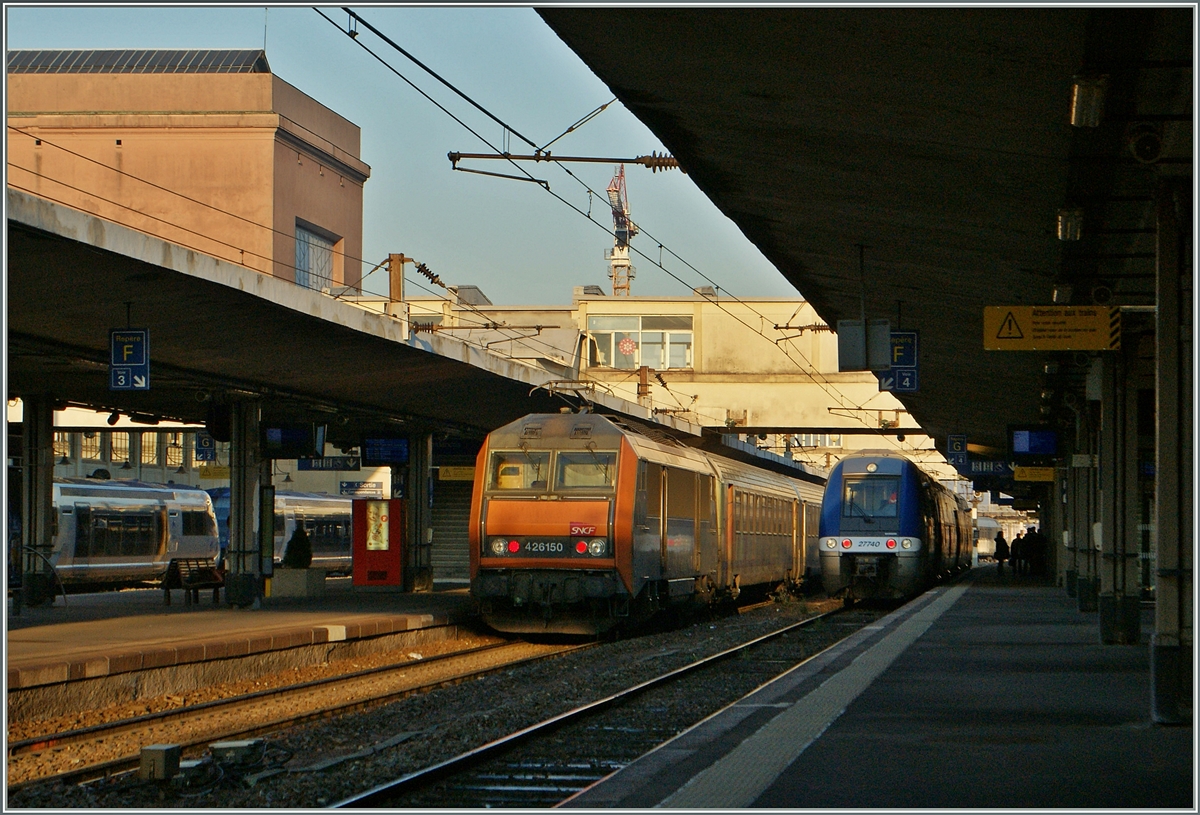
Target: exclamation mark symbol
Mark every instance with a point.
(1009, 330)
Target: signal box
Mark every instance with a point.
(379, 530)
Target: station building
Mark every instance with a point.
(754, 366)
(206, 149)
(211, 151)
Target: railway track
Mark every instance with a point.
(545, 763)
(253, 714)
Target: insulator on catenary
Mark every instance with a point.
(657, 162)
(423, 269)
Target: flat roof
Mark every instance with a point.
(138, 61)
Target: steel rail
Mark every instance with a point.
(381, 795)
(127, 763)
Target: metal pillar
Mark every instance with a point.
(1120, 600)
(418, 574)
(37, 500)
(1086, 544)
(1172, 645)
(243, 584)
(1058, 536)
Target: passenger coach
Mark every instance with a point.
(121, 532)
(580, 523)
(888, 529)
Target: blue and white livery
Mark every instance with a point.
(889, 530)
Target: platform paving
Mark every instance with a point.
(989, 694)
(94, 635)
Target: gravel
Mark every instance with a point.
(326, 761)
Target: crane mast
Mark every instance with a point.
(624, 230)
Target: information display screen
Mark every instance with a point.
(1032, 442)
(380, 452)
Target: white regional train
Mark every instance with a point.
(108, 532)
(326, 518)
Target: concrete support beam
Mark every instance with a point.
(37, 500)
(1119, 601)
(1087, 584)
(243, 583)
(418, 571)
(1173, 642)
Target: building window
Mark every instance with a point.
(817, 440)
(314, 259)
(660, 343)
(118, 447)
(89, 447)
(174, 449)
(150, 448)
(62, 445)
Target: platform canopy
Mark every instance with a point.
(939, 139)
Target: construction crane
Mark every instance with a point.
(624, 231)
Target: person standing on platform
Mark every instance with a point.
(1035, 551)
(1001, 553)
(1017, 553)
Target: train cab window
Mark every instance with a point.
(585, 470)
(519, 470)
(198, 522)
(871, 497)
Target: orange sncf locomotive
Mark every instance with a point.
(580, 523)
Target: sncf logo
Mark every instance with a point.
(583, 529)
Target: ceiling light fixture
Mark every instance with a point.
(1087, 100)
(1070, 224)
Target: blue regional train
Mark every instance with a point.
(888, 530)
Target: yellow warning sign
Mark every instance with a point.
(1033, 473)
(456, 473)
(1051, 328)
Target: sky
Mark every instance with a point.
(518, 243)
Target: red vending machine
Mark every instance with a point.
(379, 530)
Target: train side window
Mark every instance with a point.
(654, 490)
(83, 531)
(681, 494)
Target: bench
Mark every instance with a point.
(191, 575)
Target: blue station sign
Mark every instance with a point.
(206, 446)
(129, 360)
(956, 452)
(902, 377)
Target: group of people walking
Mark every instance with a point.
(1027, 552)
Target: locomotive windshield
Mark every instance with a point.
(585, 470)
(873, 497)
(519, 470)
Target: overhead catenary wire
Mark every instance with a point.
(810, 370)
(243, 253)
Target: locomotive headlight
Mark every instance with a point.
(872, 467)
(830, 543)
(498, 546)
(906, 543)
(596, 546)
